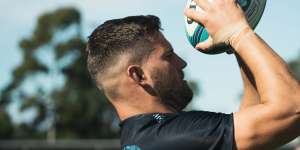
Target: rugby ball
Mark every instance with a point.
(196, 33)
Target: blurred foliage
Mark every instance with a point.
(295, 67)
(195, 87)
(75, 110)
(6, 128)
(78, 109)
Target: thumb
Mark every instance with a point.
(205, 45)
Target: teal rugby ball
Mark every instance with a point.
(196, 33)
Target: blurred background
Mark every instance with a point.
(47, 99)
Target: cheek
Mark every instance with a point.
(161, 75)
(171, 79)
(171, 73)
(165, 73)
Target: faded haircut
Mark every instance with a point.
(131, 35)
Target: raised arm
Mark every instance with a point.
(250, 95)
(276, 120)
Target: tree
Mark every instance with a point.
(295, 67)
(58, 89)
(6, 128)
(71, 108)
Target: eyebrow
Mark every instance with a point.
(169, 49)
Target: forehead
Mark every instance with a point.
(161, 44)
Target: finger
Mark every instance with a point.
(204, 4)
(195, 15)
(205, 45)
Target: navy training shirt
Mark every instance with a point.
(193, 130)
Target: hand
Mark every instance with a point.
(223, 19)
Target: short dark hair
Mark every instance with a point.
(115, 37)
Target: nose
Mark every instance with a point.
(181, 63)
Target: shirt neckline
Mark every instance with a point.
(135, 117)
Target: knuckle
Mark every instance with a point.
(205, 20)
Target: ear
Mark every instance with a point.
(136, 73)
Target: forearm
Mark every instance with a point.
(276, 120)
(273, 78)
(250, 95)
(274, 81)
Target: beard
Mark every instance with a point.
(173, 94)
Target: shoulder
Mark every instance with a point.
(176, 122)
(201, 124)
(205, 117)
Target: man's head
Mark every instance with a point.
(129, 58)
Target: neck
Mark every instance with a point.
(126, 109)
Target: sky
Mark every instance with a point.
(218, 75)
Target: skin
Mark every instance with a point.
(250, 95)
(270, 112)
(141, 80)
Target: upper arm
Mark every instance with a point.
(265, 126)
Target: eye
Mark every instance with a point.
(169, 55)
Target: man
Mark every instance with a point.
(136, 67)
